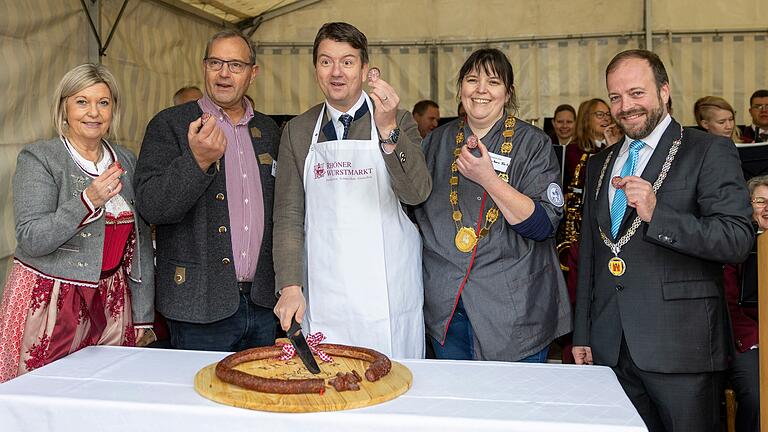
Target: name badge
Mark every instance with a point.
(500, 163)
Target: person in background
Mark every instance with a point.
(205, 177)
(82, 271)
(744, 372)
(492, 285)
(564, 123)
(715, 115)
(426, 113)
(595, 131)
(187, 94)
(758, 109)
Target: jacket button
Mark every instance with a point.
(226, 261)
(619, 287)
(220, 196)
(222, 229)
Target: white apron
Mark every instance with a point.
(363, 254)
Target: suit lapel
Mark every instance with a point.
(603, 207)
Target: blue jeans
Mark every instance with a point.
(250, 326)
(459, 344)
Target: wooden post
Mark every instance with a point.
(762, 302)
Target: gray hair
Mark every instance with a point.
(231, 33)
(754, 182)
(77, 79)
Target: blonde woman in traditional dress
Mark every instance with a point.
(82, 272)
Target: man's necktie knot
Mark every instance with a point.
(346, 120)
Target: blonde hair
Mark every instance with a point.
(584, 133)
(77, 79)
(704, 107)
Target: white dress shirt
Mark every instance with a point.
(335, 114)
(651, 141)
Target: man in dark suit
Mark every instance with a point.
(205, 178)
(758, 109)
(662, 210)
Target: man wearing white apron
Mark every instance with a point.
(347, 258)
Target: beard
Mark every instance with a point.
(652, 119)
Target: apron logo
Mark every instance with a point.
(341, 170)
(319, 171)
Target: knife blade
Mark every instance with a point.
(302, 348)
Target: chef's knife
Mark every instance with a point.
(302, 349)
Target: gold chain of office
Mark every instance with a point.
(466, 238)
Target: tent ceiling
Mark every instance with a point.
(235, 11)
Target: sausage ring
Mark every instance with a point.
(380, 365)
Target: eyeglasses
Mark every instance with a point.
(759, 202)
(235, 66)
(602, 114)
(760, 107)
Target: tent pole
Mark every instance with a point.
(648, 22)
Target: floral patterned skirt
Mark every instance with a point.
(43, 319)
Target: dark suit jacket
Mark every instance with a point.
(188, 206)
(669, 304)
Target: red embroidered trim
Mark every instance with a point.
(38, 353)
(41, 293)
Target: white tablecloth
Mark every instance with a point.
(134, 390)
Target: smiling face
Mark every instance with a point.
(340, 73)
(760, 210)
(637, 104)
(565, 125)
(599, 119)
(719, 122)
(89, 114)
(226, 89)
(483, 97)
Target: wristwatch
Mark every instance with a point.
(393, 137)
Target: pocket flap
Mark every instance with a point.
(690, 290)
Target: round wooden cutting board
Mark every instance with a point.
(392, 385)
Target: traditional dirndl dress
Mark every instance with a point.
(44, 318)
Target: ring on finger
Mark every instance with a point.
(385, 98)
(109, 188)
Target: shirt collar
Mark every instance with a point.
(335, 114)
(651, 140)
(207, 105)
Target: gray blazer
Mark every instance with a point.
(669, 304)
(51, 230)
(196, 279)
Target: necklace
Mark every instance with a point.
(466, 238)
(616, 265)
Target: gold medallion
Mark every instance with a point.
(466, 239)
(617, 266)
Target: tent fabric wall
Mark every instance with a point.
(155, 50)
(37, 49)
